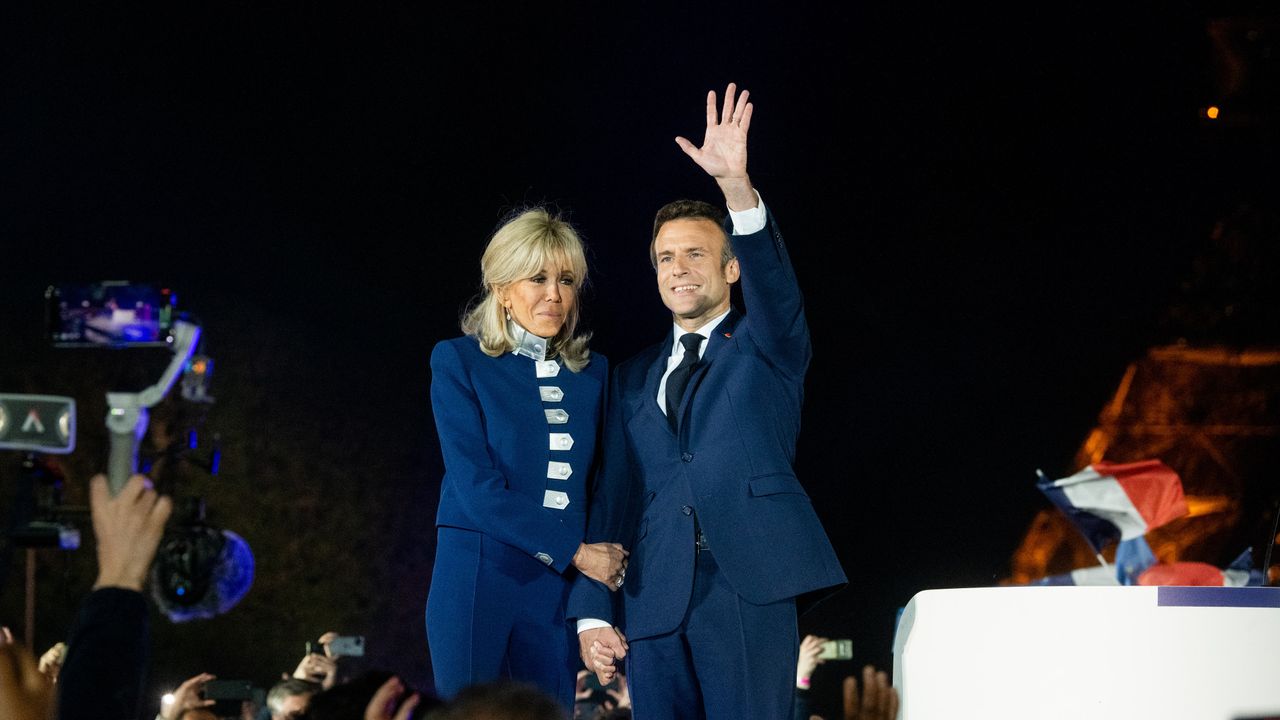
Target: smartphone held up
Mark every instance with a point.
(837, 650)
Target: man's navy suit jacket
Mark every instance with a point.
(730, 465)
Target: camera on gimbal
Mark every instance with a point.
(200, 570)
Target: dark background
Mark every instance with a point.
(990, 212)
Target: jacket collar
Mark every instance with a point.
(527, 344)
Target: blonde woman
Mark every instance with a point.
(518, 400)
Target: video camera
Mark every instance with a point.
(200, 570)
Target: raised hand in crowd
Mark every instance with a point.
(390, 702)
(618, 693)
(187, 696)
(317, 668)
(875, 700)
(810, 659)
(24, 693)
(594, 701)
(51, 661)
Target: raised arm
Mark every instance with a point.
(723, 154)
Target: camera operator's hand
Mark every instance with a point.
(318, 669)
(188, 696)
(128, 528)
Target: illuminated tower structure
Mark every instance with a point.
(1205, 397)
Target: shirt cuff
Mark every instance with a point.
(749, 221)
(591, 624)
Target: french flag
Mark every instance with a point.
(1239, 573)
(1110, 502)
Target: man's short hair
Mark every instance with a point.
(690, 210)
(288, 688)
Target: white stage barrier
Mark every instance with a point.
(1089, 653)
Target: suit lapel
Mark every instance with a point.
(649, 396)
(720, 337)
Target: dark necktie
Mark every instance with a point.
(679, 377)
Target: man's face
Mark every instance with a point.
(293, 707)
(691, 281)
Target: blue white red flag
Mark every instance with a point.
(1239, 573)
(1111, 502)
(1091, 575)
(1133, 558)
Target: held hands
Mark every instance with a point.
(723, 154)
(128, 528)
(601, 649)
(606, 563)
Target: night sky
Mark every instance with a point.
(988, 211)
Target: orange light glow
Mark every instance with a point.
(1211, 112)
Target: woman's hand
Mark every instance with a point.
(606, 563)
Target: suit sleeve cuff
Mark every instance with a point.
(749, 221)
(591, 624)
(559, 555)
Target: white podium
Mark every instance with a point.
(1076, 653)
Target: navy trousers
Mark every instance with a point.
(728, 660)
(495, 612)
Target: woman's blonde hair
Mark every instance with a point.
(519, 249)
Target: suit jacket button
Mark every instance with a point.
(686, 456)
(686, 510)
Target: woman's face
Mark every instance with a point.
(541, 303)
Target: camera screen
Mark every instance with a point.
(109, 314)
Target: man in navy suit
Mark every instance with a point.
(698, 478)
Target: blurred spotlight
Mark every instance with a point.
(1211, 112)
